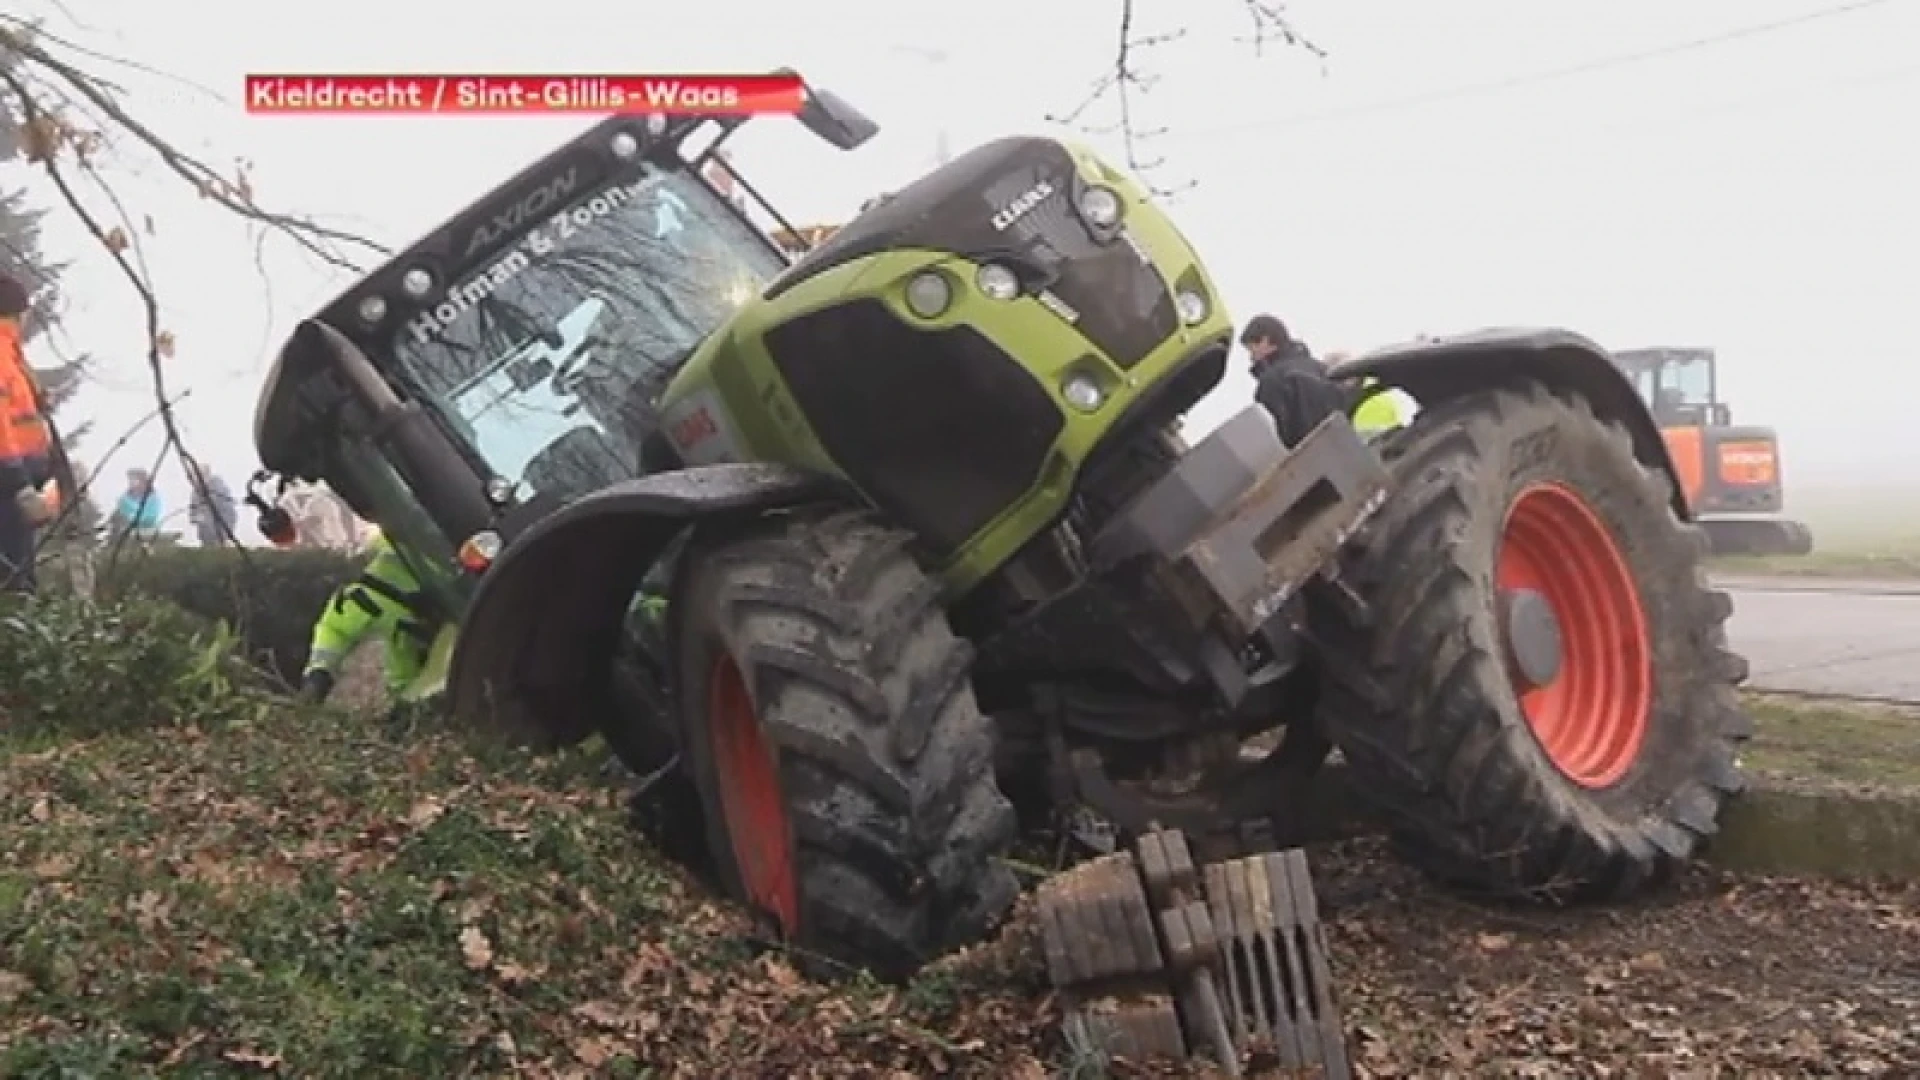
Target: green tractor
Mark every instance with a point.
(935, 550)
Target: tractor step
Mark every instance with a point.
(1156, 957)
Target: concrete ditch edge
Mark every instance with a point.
(1778, 826)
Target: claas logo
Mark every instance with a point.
(696, 427)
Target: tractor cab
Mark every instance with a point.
(1730, 475)
(1681, 386)
(511, 361)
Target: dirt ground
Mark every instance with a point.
(331, 895)
(1723, 977)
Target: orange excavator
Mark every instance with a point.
(803, 238)
(1730, 473)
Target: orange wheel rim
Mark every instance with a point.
(1578, 653)
(750, 797)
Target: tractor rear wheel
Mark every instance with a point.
(846, 773)
(1540, 694)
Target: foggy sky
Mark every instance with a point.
(1756, 195)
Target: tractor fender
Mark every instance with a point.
(1435, 370)
(534, 657)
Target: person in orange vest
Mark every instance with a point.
(27, 500)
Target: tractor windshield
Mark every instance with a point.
(1677, 384)
(548, 361)
(1688, 380)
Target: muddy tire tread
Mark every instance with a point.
(1416, 703)
(885, 758)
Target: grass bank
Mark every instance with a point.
(327, 894)
(1819, 741)
(324, 895)
(1897, 564)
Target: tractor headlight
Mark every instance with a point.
(1083, 392)
(1100, 206)
(1193, 306)
(417, 282)
(998, 282)
(373, 309)
(929, 294)
(500, 490)
(624, 145)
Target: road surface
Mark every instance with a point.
(1846, 638)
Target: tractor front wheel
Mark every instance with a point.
(1540, 695)
(846, 773)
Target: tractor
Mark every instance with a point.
(939, 559)
(1730, 474)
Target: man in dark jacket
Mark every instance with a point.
(1289, 382)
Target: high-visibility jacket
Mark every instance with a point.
(24, 440)
(1383, 411)
(385, 598)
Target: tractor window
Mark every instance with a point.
(1646, 380)
(1688, 381)
(548, 363)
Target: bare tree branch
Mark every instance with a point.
(71, 504)
(23, 26)
(1127, 81)
(159, 342)
(323, 242)
(66, 118)
(1272, 25)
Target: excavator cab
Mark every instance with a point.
(1729, 473)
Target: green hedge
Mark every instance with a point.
(270, 597)
(72, 669)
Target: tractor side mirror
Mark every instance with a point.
(834, 119)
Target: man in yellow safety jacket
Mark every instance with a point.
(1381, 411)
(386, 599)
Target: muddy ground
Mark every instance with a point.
(333, 895)
(1725, 976)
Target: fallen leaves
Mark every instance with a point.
(150, 911)
(537, 938)
(426, 812)
(512, 974)
(56, 867)
(254, 1058)
(595, 1051)
(475, 950)
(601, 1013)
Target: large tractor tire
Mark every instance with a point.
(1540, 694)
(846, 772)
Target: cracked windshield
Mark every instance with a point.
(555, 353)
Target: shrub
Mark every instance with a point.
(134, 663)
(269, 597)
